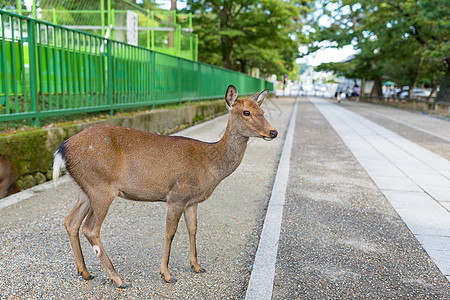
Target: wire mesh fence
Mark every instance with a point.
(164, 31)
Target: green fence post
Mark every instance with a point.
(153, 79)
(113, 23)
(110, 19)
(196, 47)
(148, 28)
(153, 32)
(33, 70)
(175, 33)
(178, 40)
(34, 9)
(109, 79)
(5, 66)
(102, 16)
(191, 50)
(19, 6)
(179, 84)
(54, 15)
(108, 7)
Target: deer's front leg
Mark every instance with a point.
(190, 216)
(172, 219)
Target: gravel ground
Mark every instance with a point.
(340, 238)
(386, 116)
(36, 260)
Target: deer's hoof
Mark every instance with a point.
(90, 277)
(124, 285)
(171, 280)
(201, 270)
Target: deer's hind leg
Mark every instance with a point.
(73, 223)
(100, 200)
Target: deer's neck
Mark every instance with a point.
(228, 152)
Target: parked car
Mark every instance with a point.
(416, 93)
(320, 87)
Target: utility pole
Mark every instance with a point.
(173, 6)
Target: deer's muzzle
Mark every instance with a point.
(273, 134)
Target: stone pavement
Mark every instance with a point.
(414, 180)
(351, 228)
(361, 212)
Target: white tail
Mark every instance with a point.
(107, 161)
(59, 164)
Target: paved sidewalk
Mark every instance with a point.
(340, 237)
(414, 180)
(430, 132)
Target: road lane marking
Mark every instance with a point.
(261, 280)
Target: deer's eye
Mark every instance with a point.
(246, 113)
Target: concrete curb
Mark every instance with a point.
(28, 193)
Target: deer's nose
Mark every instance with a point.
(273, 134)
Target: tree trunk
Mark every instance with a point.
(377, 91)
(444, 89)
(444, 86)
(227, 52)
(243, 66)
(416, 79)
(226, 42)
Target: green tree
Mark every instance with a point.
(405, 40)
(244, 34)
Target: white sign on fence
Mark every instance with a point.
(132, 28)
(368, 87)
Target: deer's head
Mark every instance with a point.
(247, 116)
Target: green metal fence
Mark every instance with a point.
(49, 70)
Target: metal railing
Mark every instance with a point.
(49, 70)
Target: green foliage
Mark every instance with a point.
(404, 40)
(245, 34)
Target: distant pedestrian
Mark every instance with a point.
(356, 92)
(284, 81)
(347, 92)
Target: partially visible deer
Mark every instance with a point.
(107, 161)
(8, 184)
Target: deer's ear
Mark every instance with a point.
(259, 97)
(231, 96)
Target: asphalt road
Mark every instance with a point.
(340, 237)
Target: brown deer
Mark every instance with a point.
(8, 184)
(108, 161)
